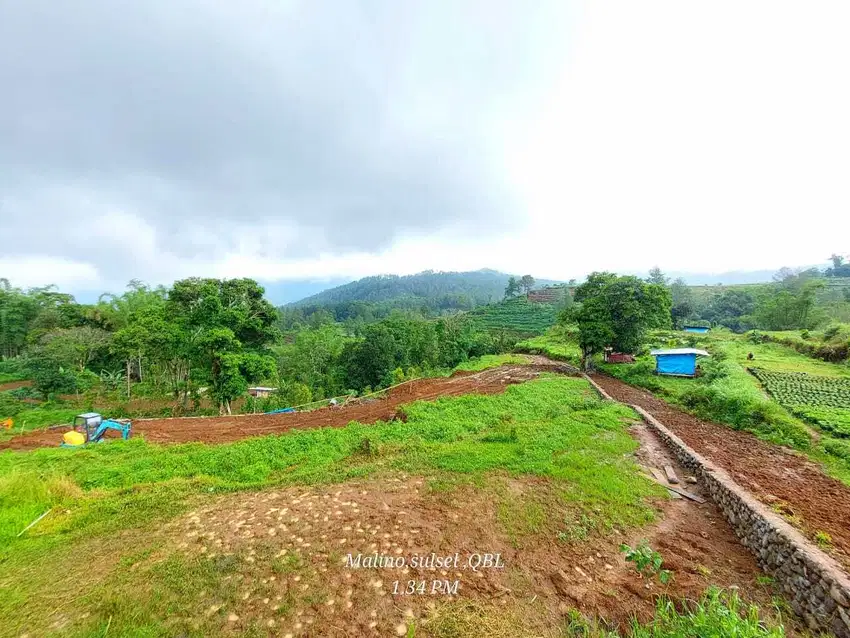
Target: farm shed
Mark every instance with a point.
(260, 391)
(697, 329)
(680, 362)
(617, 357)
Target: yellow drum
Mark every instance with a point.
(74, 438)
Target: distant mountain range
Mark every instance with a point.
(478, 287)
(481, 286)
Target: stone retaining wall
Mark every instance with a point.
(814, 583)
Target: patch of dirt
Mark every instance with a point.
(781, 478)
(14, 385)
(291, 547)
(368, 410)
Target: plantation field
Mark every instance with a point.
(250, 538)
(516, 315)
(822, 401)
(799, 388)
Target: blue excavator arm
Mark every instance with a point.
(109, 424)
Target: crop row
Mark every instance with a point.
(798, 389)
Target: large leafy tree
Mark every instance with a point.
(526, 283)
(683, 302)
(369, 363)
(227, 324)
(616, 312)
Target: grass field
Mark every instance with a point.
(554, 427)
(108, 558)
(556, 344)
(515, 315)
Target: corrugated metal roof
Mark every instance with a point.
(703, 353)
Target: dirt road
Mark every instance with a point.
(232, 428)
(783, 479)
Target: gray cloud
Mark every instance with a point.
(312, 125)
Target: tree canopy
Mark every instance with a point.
(616, 311)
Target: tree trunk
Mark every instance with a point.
(128, 379)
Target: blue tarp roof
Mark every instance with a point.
(669, 351)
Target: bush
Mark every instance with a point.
(9, 405)
(86, 380)
(841, 449)
(12, 370)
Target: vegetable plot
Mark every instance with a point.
(823, 401)
(799, 388)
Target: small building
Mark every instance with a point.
(260, 391)
(678, 362)
(618, 357)
(697, 329)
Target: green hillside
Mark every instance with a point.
(517, 315)
(460, 290)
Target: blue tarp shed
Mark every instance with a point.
(698, 329)
(681, 362)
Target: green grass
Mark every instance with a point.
(106, 496)
(717, 613)
(775, 356)
(555, 344)
(490, 361)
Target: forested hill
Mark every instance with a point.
(438, 289)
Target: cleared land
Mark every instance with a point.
(370, 410)
(143, 542)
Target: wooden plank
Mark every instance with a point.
(671, 475)
(658, 474)
(688, 495)
(681, 492)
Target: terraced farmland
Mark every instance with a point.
(823, 401)
(517, 315)
(799, 388)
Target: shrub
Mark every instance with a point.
(9, 405)
(841, 449)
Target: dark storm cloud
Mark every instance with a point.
(316, 125)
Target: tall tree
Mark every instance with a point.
(616, 312)
(526, 283)
(227, 323)
(512, 289)
(683, 302)
(656, 276)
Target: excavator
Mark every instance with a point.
(91, 427)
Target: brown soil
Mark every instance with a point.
(783, 479)
(14, 385)
(316, 594)
(368, 410)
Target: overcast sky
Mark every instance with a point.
(158, 139)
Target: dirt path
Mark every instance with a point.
(783, 479)
(14, 385)
(233, 428)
